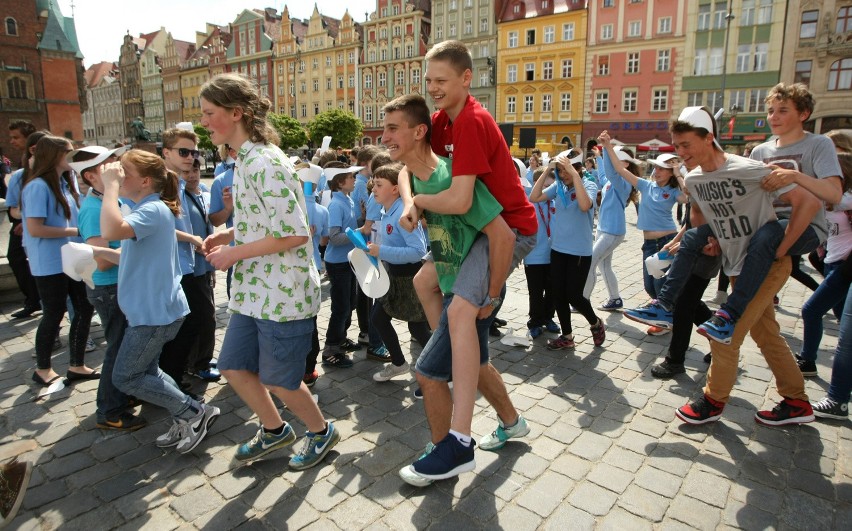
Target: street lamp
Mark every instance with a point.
(721, 104)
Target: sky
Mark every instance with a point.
(101, 26)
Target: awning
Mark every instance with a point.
(655, 145)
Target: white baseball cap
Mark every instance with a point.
(663, 161)
(700, 117)
(623, 155)
(101, 154)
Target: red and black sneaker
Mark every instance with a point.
(702, 411)
(788, 411)
(311, 378)
(599, 333)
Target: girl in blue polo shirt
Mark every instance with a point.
(571, 247)
(537, 265)
(149, 291)
(49, 207)
(402, 252)
(660, 193)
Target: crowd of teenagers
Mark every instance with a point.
(450, 214)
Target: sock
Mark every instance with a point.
(277, 431)
(465, 440)
(324, 431)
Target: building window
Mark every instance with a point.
(743, 56)
(328, 83)
(602, 101)
(383, 79)
(608, 3)
(606, 32)
(409, 51)
(384, 55)
(633, 63)
(565, 102)
(351, 57)
(716, 61)
(664, 25)
(664, 60)
(764, 13)
(567, 68)
(547, 70)
(484, 80)
(316, 85)
(719, 15)
(628, 100)
(761, 57)
(803, 72)
(529, 71)
(568, 31)
(452, 32)
(368, 113)
(512, 74)
(757, 101)
(549, 34)
(660, 100)
(400, 77)
(528, 103)
(695, 99)
(513, 39)
(844, 20)
(546, 103)
(704, 17)
(747, 13)
(483, 25)
(327, 60)
(368, 81)
(807, 30)
(351, 80)
(516, 9)
(468, 27)
(699, 64)
(603, 65)
(738, 99)
(439, 32)
(510, 105)
(11, 27)
(340, 82)
(840, 75)
(17, 88)
(315, 63)
(415, 76)
(530, 37)
(634, 29)
(304, 110)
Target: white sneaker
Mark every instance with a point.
(720, 298)
(363, 338)
(193, 431)
(390, 370)
(170, 438)
(90, 345)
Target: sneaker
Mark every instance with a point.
(829, 409)
(14, 479)
(552, 327)
(500, 322)
(210, 374)
(612, 305)
(657, 331)
(390, 371)
(449, 458)
(315, 448)
(561, 343)
(573, 310)
(264, 442)
(788, 411)
(776, 301)
(363, 339)
(719, 299)
(126, 422)
(666, 370)
(25, 312)
(379, 353)
(170, 438)
(808, 368)
(494, 330)
(90, 345)
(410, 476)
(194, 430)
(536, 331)
(598, 333)
(497, 438)
(708, 357)
(311, 378)
(418, 394)
(349, 346)
(652, 314)
(719, 328)
(338, 359)
(702, 411)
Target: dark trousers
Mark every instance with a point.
(567, 279)
(54, 291)
(198, 328)
(689, 310)
(538, 286)
(804, 278)
(21, 269)
(313, 354)
(344, 298)
(203, 352)
(382, 322)
(111, 402)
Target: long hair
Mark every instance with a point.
(49, 152)
(845, 160)
(153, 167)
(233, 91)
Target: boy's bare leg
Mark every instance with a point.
(438, 404)
(461, 315)
(256, 396)
(429, 293)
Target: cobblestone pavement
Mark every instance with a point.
(604, 450)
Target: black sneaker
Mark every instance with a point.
(708, 357)
(808, 368)
(126, 422)
(339, 360)
(829, 409)
(702, 411)
(667, 370)
(499, 322)
(349, 346)
(494, 331)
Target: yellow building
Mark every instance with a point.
(195, 73)
(541, 55)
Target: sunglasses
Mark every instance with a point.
(185, 152)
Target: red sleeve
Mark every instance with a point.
(469, 140)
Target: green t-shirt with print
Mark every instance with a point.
(451, 236)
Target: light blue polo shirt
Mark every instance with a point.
(341, 213)
(544, 213)
(398, 246)
(655, 209)
(359, 196)
(149, 291)
(222, 180)
(89, 222)
(13, 193)
(374, 209)
(186, 251)
(45, 254)
(616, 191)
(201, 227)
(571, 228)
(318, 220)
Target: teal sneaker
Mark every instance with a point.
(497, 438)
(263, 443)
(315, 448)
(411, 477)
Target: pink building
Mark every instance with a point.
(633, 67)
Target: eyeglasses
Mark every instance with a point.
(185, 152)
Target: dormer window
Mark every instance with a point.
(11, 26)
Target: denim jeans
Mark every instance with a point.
(652, 285)
(111, 402)
(138, 373)
(198, 330)
(344, 297)
(605, 246)
(828, 295)
(54, 290)
(840, 388)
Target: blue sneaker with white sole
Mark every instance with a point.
(449, 458)
(719, 328)
(315, 448)
(653, 315)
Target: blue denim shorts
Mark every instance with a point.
(275, 351)
(436, 360)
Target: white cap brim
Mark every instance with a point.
(331, 173)
(101, 152)
(623, 155)
(309, 173)
(699, 117)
